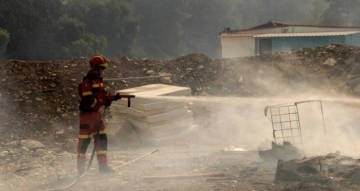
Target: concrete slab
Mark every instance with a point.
(182, 127)
(118, 109)
(144, 93)
(178, 121)
(151, 113)
(141, 113)
(164, 116)
(144, 106)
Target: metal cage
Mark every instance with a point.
(286, 124)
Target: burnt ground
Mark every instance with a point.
(39, 104)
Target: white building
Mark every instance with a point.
(281, 37)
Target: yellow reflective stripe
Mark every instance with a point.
(84, 136)
(88, 136)
(104, 152)
(97, 85)
(104, 65)
(100, 132)
(86, 93)
(81, 155)
(93, 105)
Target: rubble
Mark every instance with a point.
(332, 167)
(286, 151)
(34, 90)
(31, 144)
(39, 113)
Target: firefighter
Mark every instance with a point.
(93, 97)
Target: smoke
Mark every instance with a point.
(326, 128)
(240, 122)
(224, 121)
(338, 132)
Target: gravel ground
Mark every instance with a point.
(34, 108)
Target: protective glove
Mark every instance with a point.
(107, 103)
(117, 97)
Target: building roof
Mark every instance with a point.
(273, 24)
(309, 34)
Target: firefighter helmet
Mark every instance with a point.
(98, 62)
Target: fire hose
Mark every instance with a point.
(81, 176)
(93, 152)
(137, 159)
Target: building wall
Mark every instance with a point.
(353, 40)
(244, 44)
(295, 43)
(237, 47)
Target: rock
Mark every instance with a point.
(67, 155)
(31, 144)
(149, 72)
(124, 59)
(52, 85)
(13, 144)
(4, 154)
(200, 67)
(284, 152)
(24, 148)
(196, 57)
(240, 80)
(40, 152)
(297, 170)
(331, 166)
(166, 80)
(330, 62)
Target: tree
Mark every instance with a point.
(86, 46)
(161, 27)
(113, 19)
(68, 29)
(29, 23)
(4, 40)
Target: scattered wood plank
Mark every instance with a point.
(183, 176)
(219, 179)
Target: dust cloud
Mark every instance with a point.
(339, 130)
(326, 128)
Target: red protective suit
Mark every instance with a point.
(92, 96)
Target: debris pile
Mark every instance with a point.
(39, 103)
(286, 151)
(38, 98)
(329, 171)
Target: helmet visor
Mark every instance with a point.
(103, 66)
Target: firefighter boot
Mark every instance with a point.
(106, 170)
(103, 164)
(81, 160)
